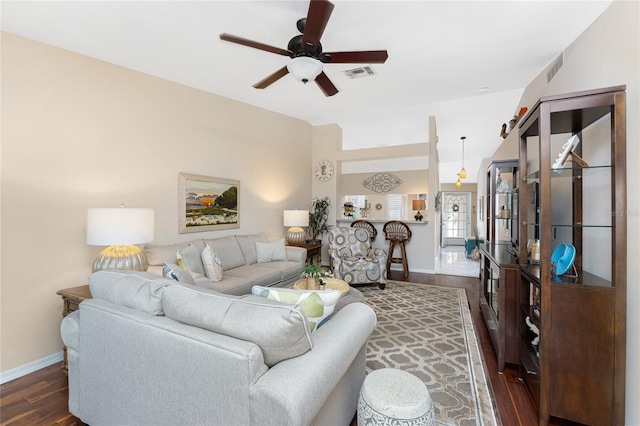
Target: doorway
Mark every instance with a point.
(456, 218)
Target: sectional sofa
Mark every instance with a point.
(242, 261)
(148, 350)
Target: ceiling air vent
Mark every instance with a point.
(359, 72)
(555, 67)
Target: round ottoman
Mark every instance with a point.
(394, 397)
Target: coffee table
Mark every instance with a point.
(330, 283)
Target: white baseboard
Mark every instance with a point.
(36, 365)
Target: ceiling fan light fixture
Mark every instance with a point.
(304, 68)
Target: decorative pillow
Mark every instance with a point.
(189, 258)
(247, 244)
(269, 252)
(212, 264)
(316, 305)
(175, 272)
(279, 330)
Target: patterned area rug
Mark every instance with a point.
(427, 330)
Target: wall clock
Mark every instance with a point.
(324, 170)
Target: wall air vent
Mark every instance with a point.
(555, 67)
(360, 72)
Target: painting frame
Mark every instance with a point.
(199, 213)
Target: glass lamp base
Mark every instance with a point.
(130, 257)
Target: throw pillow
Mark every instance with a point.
(176, 273)
(269, 252)
(212, 264)
(189, 258)
(316, 305)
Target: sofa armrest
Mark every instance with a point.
(70, 330)
(309, 379)
(296, 254)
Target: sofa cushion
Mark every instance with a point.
(269, 252)
(133, 289)
(161, 254)
(190, 258)
(247, 244)
(212, 264)
(287, 269)
(316, 305)
(279, 330)
(176, 273)
(256, 274)
(229, 251)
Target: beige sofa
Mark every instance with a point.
(147, 350)
(246, 261)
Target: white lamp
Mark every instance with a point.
(304, 69)
(295, 219)
(120, 228)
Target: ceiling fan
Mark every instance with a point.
(306, 52)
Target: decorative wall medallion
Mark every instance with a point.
(382, 182)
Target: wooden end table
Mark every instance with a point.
(314, 251)
(71, 298)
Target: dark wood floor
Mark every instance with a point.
(40, 398)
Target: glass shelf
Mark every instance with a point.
(567, 172)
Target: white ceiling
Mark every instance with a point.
(441, 53)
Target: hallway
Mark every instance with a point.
(452, 261)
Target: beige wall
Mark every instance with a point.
(608, 54)
(79, 133)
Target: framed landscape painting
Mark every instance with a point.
(208, 203)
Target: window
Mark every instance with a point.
(396, 206)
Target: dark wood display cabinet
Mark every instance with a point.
(502, 194)
(499, 273)
(572, 296)
(499, 264)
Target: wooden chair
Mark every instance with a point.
(397, 233)
(365, 224)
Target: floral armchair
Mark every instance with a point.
(353, 259)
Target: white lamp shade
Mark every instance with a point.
(119, 226)
(296, 218)
(304, 69)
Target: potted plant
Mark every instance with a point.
(315, 274)
(318, 216)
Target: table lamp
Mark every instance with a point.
(295, 219)
(418, 205)
(120, 228)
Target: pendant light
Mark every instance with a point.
(458, 183)
(463, 172)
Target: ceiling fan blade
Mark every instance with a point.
(317, 18)
(255, 44)
(272, 78)
(326, 85)
(361, 57)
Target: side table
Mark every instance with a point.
(314, 250)
(71, 298)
